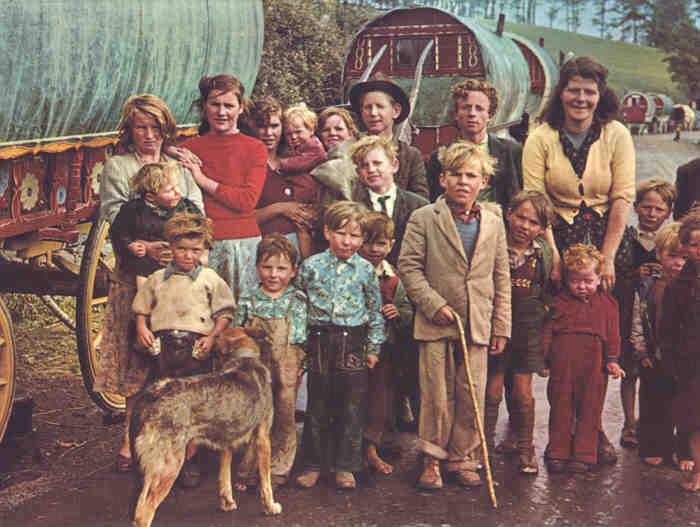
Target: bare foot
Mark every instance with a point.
(686, 465)
(374, 461)
(653, 461)
(693, 483)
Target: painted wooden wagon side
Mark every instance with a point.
(457, 48)
(638, 111)
(65, 74)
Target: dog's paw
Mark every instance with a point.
(275, 508)
(227, 504)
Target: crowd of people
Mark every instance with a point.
(351, 259)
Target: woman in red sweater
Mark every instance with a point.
(231, 175)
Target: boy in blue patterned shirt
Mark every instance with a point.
(346, 330)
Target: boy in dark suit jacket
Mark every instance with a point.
(377, 163)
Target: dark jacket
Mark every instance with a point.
(688, 187)
(411, 174)
(136, 220)
(406, 203)
(506, 182)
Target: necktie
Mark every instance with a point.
(382, 203)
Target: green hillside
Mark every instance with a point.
(631, 67)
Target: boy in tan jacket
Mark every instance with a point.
(454, 261)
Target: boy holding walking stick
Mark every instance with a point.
(454, 260)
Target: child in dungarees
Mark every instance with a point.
(185, 306)
(653, 204)
(530, 259)
(141, 220)
(657, 440)
(582, 345)
(278, 309)
(680, 341)
(346, 330)
(397, 311)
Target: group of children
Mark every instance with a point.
(347, 316)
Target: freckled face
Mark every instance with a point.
(334, 131)
(344, 241)
(583, 284)
(580, 99)
(275, 273)
(221, 111)
(377, 171)
(296, 132)
(187, 253)
(693, 247)
(523, 224)
(146, 134)
(652, 211)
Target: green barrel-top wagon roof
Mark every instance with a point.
(504, 67)
(67, 66)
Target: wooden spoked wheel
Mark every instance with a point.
(98, 261)
(7, 368)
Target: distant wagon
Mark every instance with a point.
(63, 93)
(638, 111)
(664, 105)
(457, 48)
(682, 116)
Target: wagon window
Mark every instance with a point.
(408, 52)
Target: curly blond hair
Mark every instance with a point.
(301, 111)
(359, 151)
(581, 256)
(667, 239)
(663, 188)
(461, 91)
(153, 176)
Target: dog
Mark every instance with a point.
(225, 410)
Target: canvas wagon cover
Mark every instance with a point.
(67, 66)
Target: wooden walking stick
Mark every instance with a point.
(477, 412)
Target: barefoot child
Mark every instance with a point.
(398, 315)
(530, 259)
(184, 306)
(278, 309)
(454, 262)
(582, 345)
(657, 442)
(346, 330)
(653, 205)
(140, 221)
(302, 153)
(680, 341)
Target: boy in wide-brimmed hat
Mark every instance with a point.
(381, 104)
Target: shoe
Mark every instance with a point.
(578, 467)
(556, 466)
(430, 478)
(628, 438)
(606, 452)
(345, 481)
(308, 478)
(528, 463)
(190, 475)
(123, 464)
(468, 478)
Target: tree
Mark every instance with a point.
(601, 17)
(684, 60)
(665, 22)
(631, 16)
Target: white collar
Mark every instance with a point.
(375, 196)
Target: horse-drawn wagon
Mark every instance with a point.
(434, 49)
(67, 75)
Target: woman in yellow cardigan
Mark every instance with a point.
(584, 160)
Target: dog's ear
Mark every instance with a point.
(256, 333)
